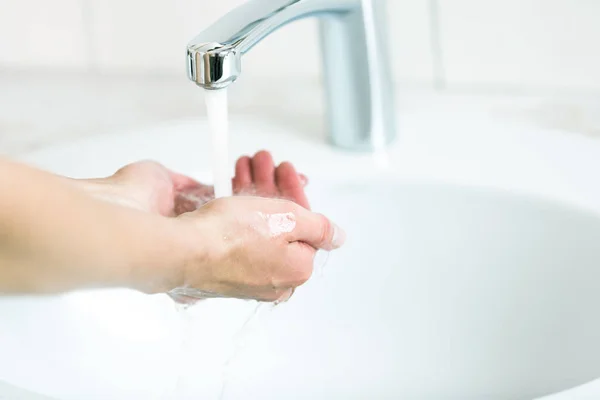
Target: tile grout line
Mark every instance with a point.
(437, 54)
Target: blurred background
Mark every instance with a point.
(69, 67)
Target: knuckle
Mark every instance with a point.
(303, 277)
(303, 266)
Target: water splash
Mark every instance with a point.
(238, 344)
(216, 103)
(321, 259)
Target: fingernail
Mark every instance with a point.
(339, 237)
(286, 296)
(303, 179)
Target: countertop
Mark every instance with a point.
(44, 109)
(38, 110)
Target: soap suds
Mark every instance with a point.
(279, 223)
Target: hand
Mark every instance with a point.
(258, 248)
(248, 247)
(149, 186)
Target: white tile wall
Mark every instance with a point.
(136, 34)
(159, 32)
(151, 36)
(513, 43)
(546, 43)
(142, 35)
(410, 39)
(42, 33)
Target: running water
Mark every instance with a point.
(186, 385)
(216, 107)
(191, 358)
(238, 343)
(218, 123)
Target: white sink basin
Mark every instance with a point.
(443, 291)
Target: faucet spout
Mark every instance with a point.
(356, 68)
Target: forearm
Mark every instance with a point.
(54, 237)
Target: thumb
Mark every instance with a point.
(317, 231)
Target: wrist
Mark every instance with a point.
(157, 253)
(197, 252)
(160, 262)
(105, 189)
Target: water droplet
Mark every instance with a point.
(320, 261)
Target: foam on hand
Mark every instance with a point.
(279, 224)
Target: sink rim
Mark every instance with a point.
(520, 163)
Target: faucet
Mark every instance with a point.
(357, 76)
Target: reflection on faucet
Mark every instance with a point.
(356, 67)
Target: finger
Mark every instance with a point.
(295, 270)
(286, 296)
(184, 300)
(271, 296)
(182, 182)
(300, 269)
(263, 173)
(303, 179)
(193, 199)
(316, 230)
(290, 184)
(183, 205)
(243, 174)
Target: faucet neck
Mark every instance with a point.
(357, 73)
(214, 55)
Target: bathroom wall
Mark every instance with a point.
(499, 44)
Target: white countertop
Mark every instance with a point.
(41, 110)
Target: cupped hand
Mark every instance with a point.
(151, 187)
(258, 248)
(246, 246)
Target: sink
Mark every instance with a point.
(445, 290)
(442, 292)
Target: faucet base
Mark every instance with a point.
(357, 76)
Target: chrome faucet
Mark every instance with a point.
(357, 73)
